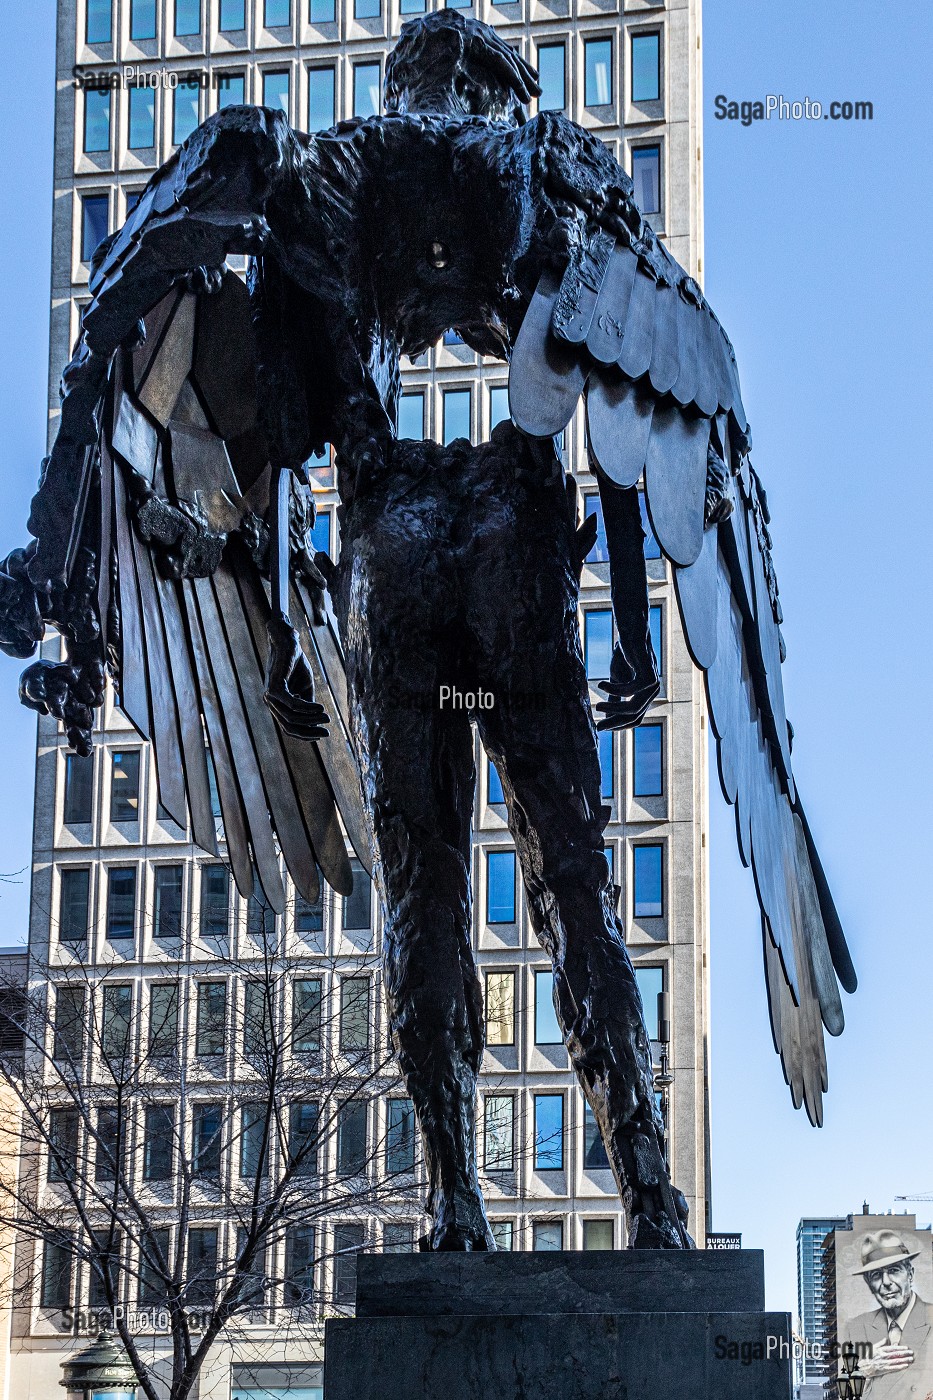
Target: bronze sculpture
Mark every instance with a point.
(176, 492)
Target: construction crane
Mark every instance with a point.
(927, 1197)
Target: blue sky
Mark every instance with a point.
(814, 260)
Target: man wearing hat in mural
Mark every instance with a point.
(900, 1366)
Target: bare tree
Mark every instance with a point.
(183, 1154)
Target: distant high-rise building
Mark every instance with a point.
(814, 1367)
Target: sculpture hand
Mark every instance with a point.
(289, 686)
(21, 625)
(630, 690)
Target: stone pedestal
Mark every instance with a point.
(631, 1325)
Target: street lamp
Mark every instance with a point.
(103, 1371)
(851, 1385)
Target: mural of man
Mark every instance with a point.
(899, 1328)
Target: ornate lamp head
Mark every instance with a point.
(451, 64)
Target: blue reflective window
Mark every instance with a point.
(647, 747)
(367, 9)
(547, 1029)
(500, 887)
(142, 118)
(597, 79)
(142, 19)
(400, 1135)
(275, 91)
(646, 177)
(322, 11)
(610, 854)
(493, 783)
(95, 216)
(650, 984)
(232, 14)
(411, 7)
(649, 882)
(549, 1132)
(121, 902)
(458, 4)
(186, 113)
(607, 785)
(357, 906)
(646, 67)
(320, 532)
(456, 415)
(367, 90)
(551, 76)
(231, 91)
(411, 416)
(597, 642)
(187, 17)
(655, 631)
(652, 548)
(98, 30)
(547, 1235)
(277, 13)
(594, 1152)
(321, 98)
(498, 406)
(96, 120)
(599, 554)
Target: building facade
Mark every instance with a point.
(108, 863)
(813, 1368)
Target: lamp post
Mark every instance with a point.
(851, 1385)
(103, 1371)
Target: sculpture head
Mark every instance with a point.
(446, 63)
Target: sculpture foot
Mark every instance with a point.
(658, 1231)
(460, 1226)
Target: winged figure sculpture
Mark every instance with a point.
(170, 548)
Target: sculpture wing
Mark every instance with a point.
(629, 329)
(184, 491)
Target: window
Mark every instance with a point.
(357, 907)
(398, 1238)
(124, 785)
(367, 89)
(55, 1289)
(215, 901)
(186, 110)
(153, 1265)
(597, 642)
(141, 135)
(551, 77)
(73, 902)
(547, 1234)
(252, 1273)
(598, 1234)
(411, 7)
(652, 548)
(109, 1147)
(547, 1030)
(503, 1232)
(231, 90)
(254, 1146)
(646, 67)
(599, 554)
(655, 632)
(500, 887)
(452, 337)
(498, 406)
(303, 1138)
(321, 98)
(299, 1265)
(207, 1123)
(202, 1267)
(96, 120)
(211, 1029)
(649, 881)
(597, 78)
(68, 1042)
(411, 416)
(456, 415)
(166, 913)
(116, 1015)
(646, 176)
(132, 199)
(163, 1019)
(187, 17)
(458, 4)
(499, 1132)
(260, 916)
(348, 1241)
(275, 91)
(232, 14)
(650, 985)
(400, 1135)
(322, 11)
(320, 543)
(257, 1019)
(107, 1260)
(79, 785)
(121, 902)
(647, 748)
(277, 13)
(500, 1008)
(63, 1143)
(142, 19)
(607, 784)
(351, 1139)
(158, 1142)
(95, 223)
(493, 783)
(354, 1013)
(306, 1016)
(549, 1132)
(595, 1157)
(366, 9)
(98, 27)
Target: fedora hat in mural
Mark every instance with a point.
(881, 1248)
